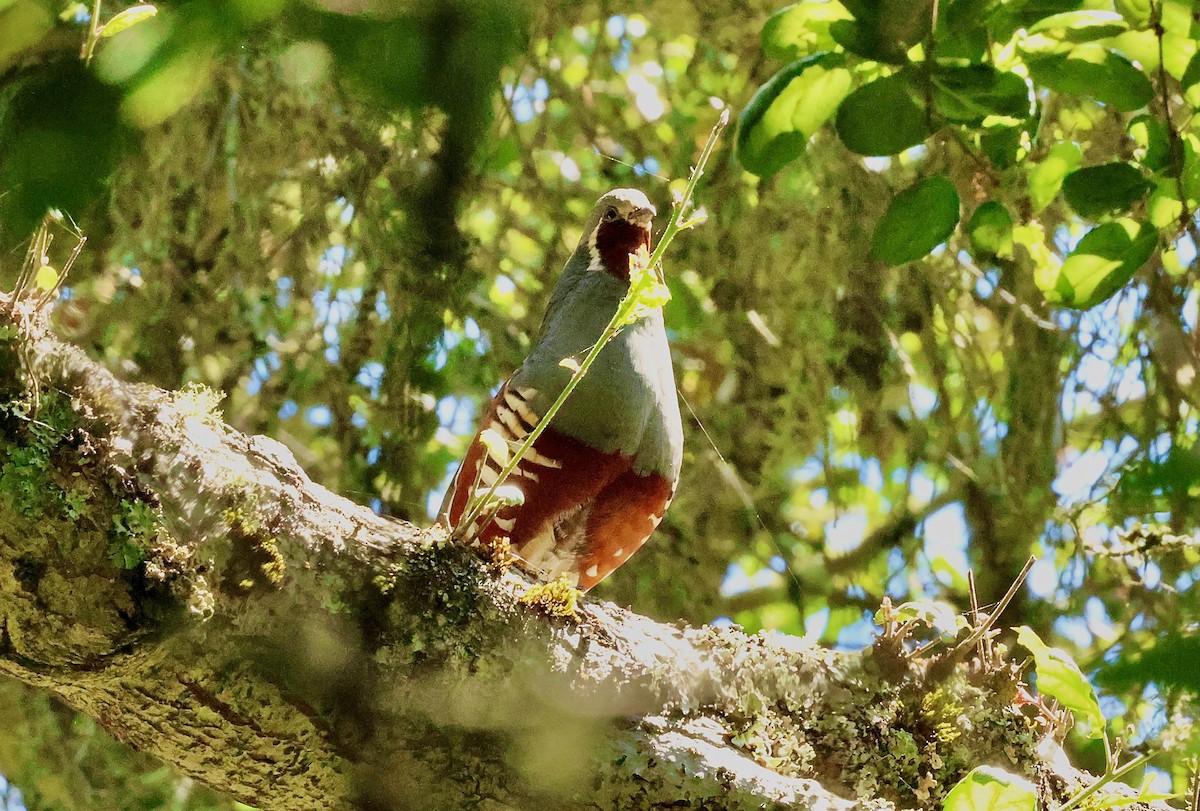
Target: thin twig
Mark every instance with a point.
(53, 292)
(943, 663)
(974, 595)
(89, 44)
(987, 624)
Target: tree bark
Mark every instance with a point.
(193, 591)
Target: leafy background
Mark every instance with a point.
(943, 314)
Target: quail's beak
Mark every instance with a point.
(642, 216)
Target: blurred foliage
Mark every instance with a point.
(63, 760)
(943, 314)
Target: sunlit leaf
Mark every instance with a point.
(70, 13)
(1059, 677)
(800, 30)
(1150, 134)
(45, 278)
(933, 613)
(1094, 72)
(918, 220)
(1164, 207)
(127, 19)
(1081, 25)
(1046, 178)
(496, 445)
(1136, 12)
(990, 229)
(22, 24)
(1110, 187)
(887, 99)
(1102, 263)
(1028, 12)
(987, 787)
(775, 126)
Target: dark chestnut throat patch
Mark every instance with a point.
(615, 241)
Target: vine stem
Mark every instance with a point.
(1110, 774)
(620, 318)
(89, 45)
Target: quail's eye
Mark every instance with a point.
(610, 215)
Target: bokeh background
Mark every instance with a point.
(347, 217)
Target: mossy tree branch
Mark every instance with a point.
(193, 591)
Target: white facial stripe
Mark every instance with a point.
(596, 262)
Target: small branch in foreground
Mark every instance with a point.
(949, 659)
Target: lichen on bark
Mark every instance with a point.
(295, 650)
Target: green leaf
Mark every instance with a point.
(862, 39)
(991, 229)
(1191, 74)
(960, 16)
(1029, 12)
(1094, 72)
(1150, 134)
(1145, 795)
(1110, 187)
(1080, 26)
(863, 9)
(904, 23)
(993, 789)
(1163, 207)
(1170, 478)
(1136, 12)
(127, 19)
(1046, 178)
(775, 126)
(59, 142)
(883, 30)
(887, 99)
(969, 47)
(1170, 660)
(918, 219)
(496, 446)
(800, 30)
(1103, 261)
(1191, 168)
(1002, 145)
(45, 279)
(933, 613)
(968, 95)
(1059, 677)
(22, 25)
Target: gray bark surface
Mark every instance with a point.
(193, 591)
